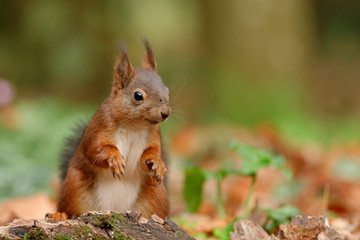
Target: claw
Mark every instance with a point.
(117, 165)
(157, 178)
(158, 169)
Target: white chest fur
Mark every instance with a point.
(120, 195)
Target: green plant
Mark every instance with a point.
(253, 159)
(224, 234)
(275, 217)
(194, 180)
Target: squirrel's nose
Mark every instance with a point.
(164, 115)
(165, 112)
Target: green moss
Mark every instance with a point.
(120, 217)
(85, 232)
(118, 235)
(183, 235)
(179, 233)
(114, 222)
(59, 237)
(80, 232)
(36, 234)
(108, 221)
(123, 238)
(4, 237)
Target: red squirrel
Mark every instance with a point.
(118, 162)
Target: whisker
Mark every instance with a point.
(182, 87)
(177, 111)
(175, 107)
(175, 119)
(178, 117)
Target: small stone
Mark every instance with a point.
(157, 219)
(142, 220)
(247, 230)
(308, 227)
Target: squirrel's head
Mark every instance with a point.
(139, 96)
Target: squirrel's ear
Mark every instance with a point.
(123, 70)
(149, 60)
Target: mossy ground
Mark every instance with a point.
(114, 222)
(59, 237)
(109, 221)
(80, 232)
(36, 234)
(4, 237)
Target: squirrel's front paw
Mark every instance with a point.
(117, 165)
(158, 167)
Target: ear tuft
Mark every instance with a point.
(149, 60)
(123, 70)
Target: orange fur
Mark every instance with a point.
(153, 153)
(151, 198)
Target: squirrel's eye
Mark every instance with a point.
(138, 96)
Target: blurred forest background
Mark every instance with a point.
(292, 64)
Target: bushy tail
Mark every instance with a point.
(71, 143)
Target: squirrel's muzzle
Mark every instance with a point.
(165, 113)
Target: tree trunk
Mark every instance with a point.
(96, 225)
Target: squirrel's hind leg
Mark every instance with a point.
(153, 199)
(56, 217)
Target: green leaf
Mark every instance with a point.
(279, 216)
(200, 236)
(348, 169)
(221, 234)
(226, 171)
(288, 173)
(287, 190)
(224, 234)
(282, 214)
(277, 161)
(255, 158)
(192, 192)
(234, 145)
(208, 174)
